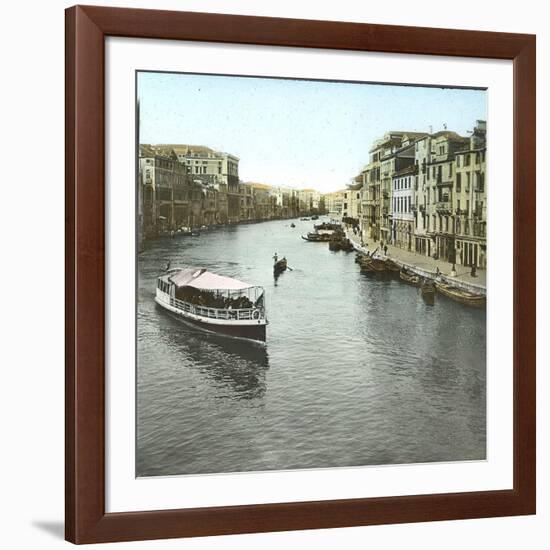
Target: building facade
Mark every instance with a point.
(402, 201)
(426, 193)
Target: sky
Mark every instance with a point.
(296, 133)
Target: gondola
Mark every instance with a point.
(280, 266)
(409, 277)
(317, 237)
(460, 295)
(427, 289)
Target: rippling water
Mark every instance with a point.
(357, 370)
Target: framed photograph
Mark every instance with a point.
(300, 274)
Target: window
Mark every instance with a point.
(458, 182)
(481, 182)
(450, 169)
(466, 160)
(458, 161)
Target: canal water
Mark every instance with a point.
(357, 369)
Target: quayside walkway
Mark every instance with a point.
(425, 265)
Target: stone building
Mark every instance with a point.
(436, 203)
(215, 168)
(440, 192)
(470, 204)
(308, 202)
(377, 174)
(166, 194)
(422, 240)
(402, 201)
(351, 202)
(334, 203)
(247, 210)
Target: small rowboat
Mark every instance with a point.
(317, 237)
(368, 263)
(280, 266)
(462, 296)
(427, 289)
(409, 277)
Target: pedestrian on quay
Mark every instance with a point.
(385, 250)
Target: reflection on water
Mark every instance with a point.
(357, 369)
(239, 365)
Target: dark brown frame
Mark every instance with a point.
(86, 29)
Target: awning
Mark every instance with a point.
(211, 281)
(201, 279)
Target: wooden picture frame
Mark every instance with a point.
(86, 30)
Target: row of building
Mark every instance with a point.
(423, 192)
(192, 186)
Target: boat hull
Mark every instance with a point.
(250, 331)
(409, 279)
(462, 297)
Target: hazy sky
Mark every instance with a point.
(295, 132)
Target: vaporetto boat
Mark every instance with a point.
(214, 302)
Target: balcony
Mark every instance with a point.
(443, 207)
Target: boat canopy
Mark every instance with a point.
(205, 280)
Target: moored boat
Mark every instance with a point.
(370, 263)
(328, 226)
(409, 277)
(460, 295)
(427, 290)
(317, 237)
(392, 266)
(292, 224)
(214, 302)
